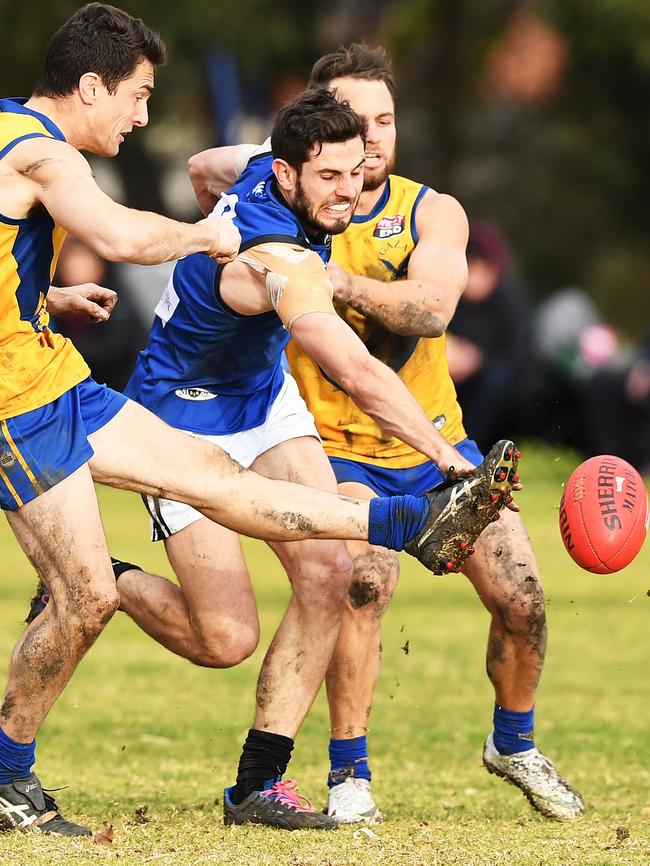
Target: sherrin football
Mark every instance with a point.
(604, 514)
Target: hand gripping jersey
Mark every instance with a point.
(207, 368)
(379, 245)
(36, 365)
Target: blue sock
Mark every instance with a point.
(16, 759)
(348, 758)
(513, 732)
(393, 521)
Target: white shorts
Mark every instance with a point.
(288, 418)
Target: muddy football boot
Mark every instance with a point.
(25, 806)
(537, 777)
(461, 509)
(38, 602)
(279, 806)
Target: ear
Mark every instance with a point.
(88, 87)
(285, 175)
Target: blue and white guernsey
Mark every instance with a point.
(207, 368)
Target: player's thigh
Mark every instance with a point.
(304, 461)
(137, 451)
(62, 535)
(209, 563)
(504, 564)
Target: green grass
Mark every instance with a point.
(146, 742)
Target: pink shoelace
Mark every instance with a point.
(285, 792)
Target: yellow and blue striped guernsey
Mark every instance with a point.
(379, 245)
(36, 365)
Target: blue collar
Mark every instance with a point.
(16, 105)
(378, 208)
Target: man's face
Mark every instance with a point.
(328, 187)
(117, 113)
(373, 101)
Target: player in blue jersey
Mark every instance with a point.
(213, 368)
(59, 429)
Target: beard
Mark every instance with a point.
(378, 177)
(313, 226)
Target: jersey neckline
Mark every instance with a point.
(16, 105)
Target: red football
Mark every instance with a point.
(604, 514)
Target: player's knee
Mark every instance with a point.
(324, 580)
(373, 581)
(525, 612)
(91, 612)
(228, 647)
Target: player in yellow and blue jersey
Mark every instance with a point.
(398, 274)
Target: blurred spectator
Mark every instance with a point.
(109, 348)
(616, 409)
(594, 394)
(489, 340)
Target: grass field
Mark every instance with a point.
(146, 742)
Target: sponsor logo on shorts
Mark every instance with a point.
(194, 394)
(7, 459)
(388, 227)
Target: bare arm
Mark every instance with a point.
(60, 179)
(215, 170)
(423, 304)
(373, 386)
(96, 302)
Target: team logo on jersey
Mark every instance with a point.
(7, 459)
(388, 227)
(439, 421)
(259, 191)
(194, 394)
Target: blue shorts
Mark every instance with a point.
(397, 482)
(42, 447)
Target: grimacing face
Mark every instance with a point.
(328, 186)
(373, 101)
(117, 113)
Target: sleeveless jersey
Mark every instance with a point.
(207, 368)
(36, 365)
(379, 245)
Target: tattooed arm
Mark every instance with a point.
(437, 275)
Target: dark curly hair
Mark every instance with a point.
(314, 117)
(97, 38)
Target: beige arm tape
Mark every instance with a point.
(296, 280)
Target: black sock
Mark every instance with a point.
(264, 759)
(119, 567)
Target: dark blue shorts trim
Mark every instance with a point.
(38, 449)
(397, 482)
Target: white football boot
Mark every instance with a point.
(351, 803)
(537, 777)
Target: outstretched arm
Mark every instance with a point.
(373, 386)
(423, 304)
(61, 181)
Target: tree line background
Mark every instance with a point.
(534, 114)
